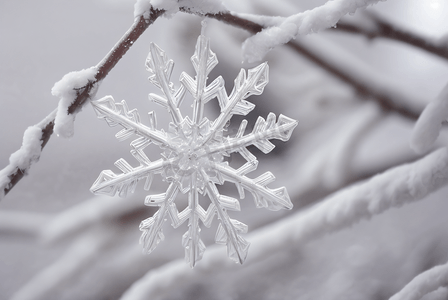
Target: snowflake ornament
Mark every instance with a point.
(193, 151)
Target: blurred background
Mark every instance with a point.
(58, 241)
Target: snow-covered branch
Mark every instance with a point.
(347, 68)
(74, 90)
(394, 188)
(424, 283)
(82, 253)
(34, 140)
(330, 167)
(70, 87)
(170, 7)
(310, 21)
(429, 123)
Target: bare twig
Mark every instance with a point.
(83, 94)
(383, 29)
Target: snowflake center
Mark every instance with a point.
(189, 155)
(189, 159)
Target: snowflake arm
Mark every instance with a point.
(152, 227)
(245, 86)
(191, 241)
(119, 114)
(109, 183)
(273, 199)
(160, 68)
(228, 229)
(204, 60)
(263, 131)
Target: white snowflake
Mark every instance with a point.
(193, 152)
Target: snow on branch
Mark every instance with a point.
(34, 139)
(67, 90)
(84, 251)
(310, 21)
(12, 173)
(424, 283)
(429, 123)
(329, 167)
(339, 63)
(170, 7)
(394, 188)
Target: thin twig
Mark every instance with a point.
(83, 94)
(383, 29)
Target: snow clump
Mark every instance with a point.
(66, 90)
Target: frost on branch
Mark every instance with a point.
(193, 151)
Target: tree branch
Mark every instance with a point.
(114, 56)
(15, 177)
(13, 173)
(385, 100)
(384, 29)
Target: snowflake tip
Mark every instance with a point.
(152, 234)
(203, 59)
(159, 67)
(194, 249)
(100, 186)
(287, 126)
(281, 200)
(252, 84)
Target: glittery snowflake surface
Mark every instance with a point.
(193, 151)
